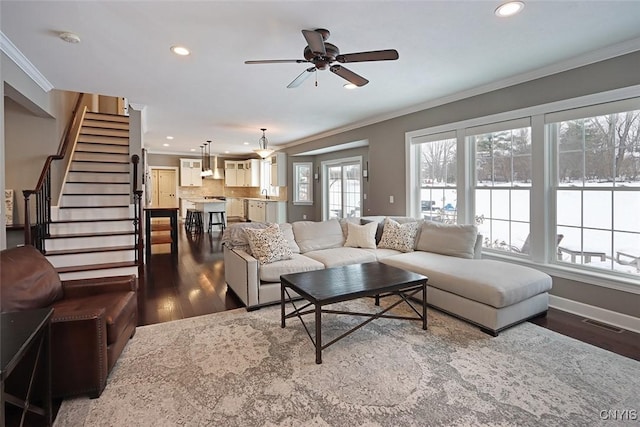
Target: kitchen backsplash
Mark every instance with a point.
(215, 187)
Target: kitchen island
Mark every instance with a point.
(209, 205)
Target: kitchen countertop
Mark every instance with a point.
(203, 200)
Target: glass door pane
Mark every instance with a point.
(343, 189)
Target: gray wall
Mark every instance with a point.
(386, 151)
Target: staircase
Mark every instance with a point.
(92, 230)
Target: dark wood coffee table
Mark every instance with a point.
(332, 285)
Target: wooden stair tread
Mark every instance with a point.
(92, 267)
(77, 221)
(110, 153)
(93, 207)
(90, 250)
(160, 227)
(161, 239)
(86, 171)
(99, 182)
(95, 194)
(98, 234)
(117, 162)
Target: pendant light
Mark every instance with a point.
(263, 151)
(206, 163)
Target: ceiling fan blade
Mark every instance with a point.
(315, 41)
(302, 77)
(349, 75)
(374, 55)
(277, 61)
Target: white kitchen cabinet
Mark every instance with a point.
(256, 210)
(190, 170)
(278, 170)
(252, 173)
(235, 208)
(236, 174)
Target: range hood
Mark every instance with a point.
(218, 173)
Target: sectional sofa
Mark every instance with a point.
(493, 295)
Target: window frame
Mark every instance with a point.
(542, 202)
(296, 183)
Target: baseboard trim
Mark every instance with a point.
(620, 320)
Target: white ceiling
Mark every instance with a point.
(445, 48)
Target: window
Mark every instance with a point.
(437, 165)
(557, 184)
(265, 179)
(503, 185)
(597, 189)
(342, 188)
(303, 183)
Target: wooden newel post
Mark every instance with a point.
(27, 218)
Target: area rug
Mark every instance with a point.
(240, 368)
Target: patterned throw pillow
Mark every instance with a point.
(268, 244)
(400, 237)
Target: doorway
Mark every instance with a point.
(342, 188)
(163, 188)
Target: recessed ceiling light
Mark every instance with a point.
(180, 50)
(70, 37)
(165, 145)
(245, 143)
(193, 149)
(509, 9)
(349, 86)
(169, 137)
(226, 152)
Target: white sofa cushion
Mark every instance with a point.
(448, 239)
(495, 283)
(287, 232)
(313, 236)
(336, 257)
(297, 264)
(268, 244)
(361, 236)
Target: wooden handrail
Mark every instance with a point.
(45, 175)
(62, 148)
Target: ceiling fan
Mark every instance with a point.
(323, 55)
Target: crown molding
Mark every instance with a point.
(592, 57)
(21, 61)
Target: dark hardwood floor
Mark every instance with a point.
(192, 284)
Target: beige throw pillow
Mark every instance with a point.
(361, 236)
(448, 239)
(269, 244)
(400, 237)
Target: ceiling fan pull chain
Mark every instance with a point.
(316, 73)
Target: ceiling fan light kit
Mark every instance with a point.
(324, 56)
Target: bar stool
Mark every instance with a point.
(193, 223)
(220, 220)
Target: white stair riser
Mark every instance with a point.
(95, 200)
(104, 124)
(104, 131)
(97, 188)
(102, 167)
(93, 258)
(88, 242)
(98, 177)
(91, 227)
(91, 213)
(120, 149)
(125, 271)
(97, 139)
(106, 117)
(102, 157)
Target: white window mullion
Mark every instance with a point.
(540, 211)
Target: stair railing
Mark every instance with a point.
(137, 219)
(42, 191)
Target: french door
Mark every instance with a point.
(342, 188)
